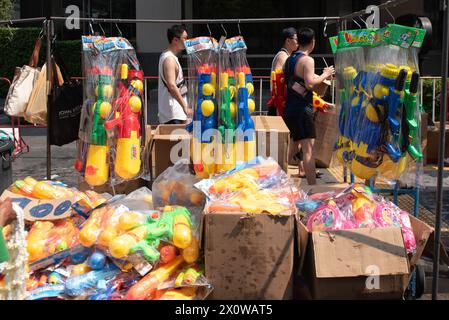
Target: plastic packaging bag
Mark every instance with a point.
(111, 121)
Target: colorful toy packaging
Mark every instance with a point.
(245, 132)
(354, 207)
(111, 123)
(255, 187)
(379, 119)
(202, 93)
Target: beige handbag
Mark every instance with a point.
(22, 85)
(36, 111)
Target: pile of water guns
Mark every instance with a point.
(111, 122)
(279, 95)
(260, 186)
(351, 208)
(223, 103)
(379, 117)
(112, 251)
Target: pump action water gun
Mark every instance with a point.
(227, 123)
(173, 224)
(278, 91)
(127, 119)
(205, 114)
(246, 139)
(97, 168)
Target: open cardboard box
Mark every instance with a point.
(249, 256)
(273, 138)
(344, 264)
(164, 138)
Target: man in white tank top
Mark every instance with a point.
(172, 91)
(289, 39)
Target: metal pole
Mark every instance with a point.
(204, 21)
(433, 100)
(39, 19)
(444, 73)
(48, 28)
(260, 96)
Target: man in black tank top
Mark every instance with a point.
(300, 76)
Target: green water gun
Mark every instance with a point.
(226, 119)
(411, 141)
(173, 224)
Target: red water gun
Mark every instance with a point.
(320, 105)
(278, 91)
(127, 118)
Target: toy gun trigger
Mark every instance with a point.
(400, 81)
(109, 125)
(414, 83)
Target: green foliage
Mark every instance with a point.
(5, 9)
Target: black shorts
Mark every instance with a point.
(301, 124)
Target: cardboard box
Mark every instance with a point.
(249, 256)
(273, 138)
(326, 137)
(433, 142)
(163, 140)
(341, 264)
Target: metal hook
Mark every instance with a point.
(364, 22)
(102, 30)
(353, 20)
(210, 32)
(238, 26)
(394, 20)
(91, 28)
(325, 27)
(226, 33)
(119, 31)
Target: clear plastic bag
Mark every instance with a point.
(111, 125)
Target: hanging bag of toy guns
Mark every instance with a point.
(111, 127)
(377, 86)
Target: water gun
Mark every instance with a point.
(410, 140)
(188, 276)
(320, 105)
(246, 138)
(173, 224)
(97, 167)
(147, 287)
(278, 91)
(184, 293)
(343, 146)
(127, 119)
(32, 188)
(46, 238)
(205, 114)
(95, 227)
(226, 127)
(91, 282)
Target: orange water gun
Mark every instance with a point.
(320, 105)
(146, 288)
(278, 91)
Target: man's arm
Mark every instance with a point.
(310, 78)
(170, 79)
(280, 61)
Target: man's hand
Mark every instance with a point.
(7, 214)
(329, 72)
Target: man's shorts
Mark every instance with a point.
(175, 121)
(301, 124)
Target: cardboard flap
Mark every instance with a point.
(359, 252)
(270, 123)
(303, 240)
(171, 132)
(422, 232)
